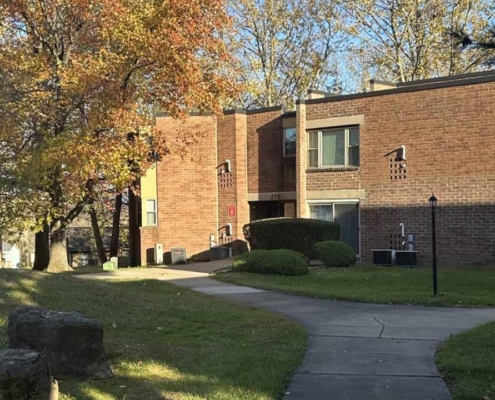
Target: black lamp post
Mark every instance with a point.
(433, 204)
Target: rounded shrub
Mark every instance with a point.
(334, 254)
(274, 262)
(298, 234)
(247, 261)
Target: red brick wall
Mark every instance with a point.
(265, 152)
(187, 191)
(322, 180)
(449, 134)
(232, 187)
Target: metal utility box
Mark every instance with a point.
(384, 257)
(124, 262)
(178, 255)
(220, 253)
(158, 253)
(406, 258)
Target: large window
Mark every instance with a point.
(289, 142)
(150, 212)
(334, 147)
(346, 215)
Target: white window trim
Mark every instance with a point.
(320, 147)
(145, 214)
(340, 201)
(285, 141)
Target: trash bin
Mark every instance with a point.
(220, 253)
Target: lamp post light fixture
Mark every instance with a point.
(433, 205)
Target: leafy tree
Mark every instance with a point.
(406, 40)
(484, 43)
(284, 47)
(80, 80)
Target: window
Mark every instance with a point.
(150, 212)
(334, 148)
(346, 215)
(289, 142)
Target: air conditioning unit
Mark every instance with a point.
(158, 253)
(406, 258)
(220, 253)
(178, 255)
(384, 257)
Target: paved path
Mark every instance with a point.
(356, 351)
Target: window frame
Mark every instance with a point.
(347, 146)
(313, 203)
(154, 211)
(290, 141)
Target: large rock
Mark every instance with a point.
(71, 342)
(25, 375)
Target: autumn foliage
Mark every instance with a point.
(81, 82)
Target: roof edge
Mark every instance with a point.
(406, 89)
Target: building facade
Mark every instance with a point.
(369, 161)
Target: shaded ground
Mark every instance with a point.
(167, 342)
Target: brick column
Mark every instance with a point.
(301, 160)
(240, 180)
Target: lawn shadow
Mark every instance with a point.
(167, 341)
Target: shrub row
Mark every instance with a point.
(298, 234)
(275, 262)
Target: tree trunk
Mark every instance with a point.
(134, 233)
(96, 232)
(42, 249)
(58, 252)
(114, 244)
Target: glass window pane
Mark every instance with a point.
(290, 149)
(290, 134)
(333, 143)
(354, 156)
(354, 136)
(347, 216)
(313, 140)
(151, 218)
(314, 212)
(313, 158)
(324, 213)
(150, 205)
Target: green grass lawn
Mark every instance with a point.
(166, 342)
(457, 287)
(468, 363)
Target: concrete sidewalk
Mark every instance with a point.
(356, 351)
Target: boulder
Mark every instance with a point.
(25, 375)
(71, 342)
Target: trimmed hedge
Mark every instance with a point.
(298, 234)
(247, 261)
(334, 254)
(274, 262)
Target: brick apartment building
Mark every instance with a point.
(369, 161)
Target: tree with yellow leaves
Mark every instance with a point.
(407, 40)
(80, 81)
(284, 47)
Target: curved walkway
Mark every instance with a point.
(356, 351)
